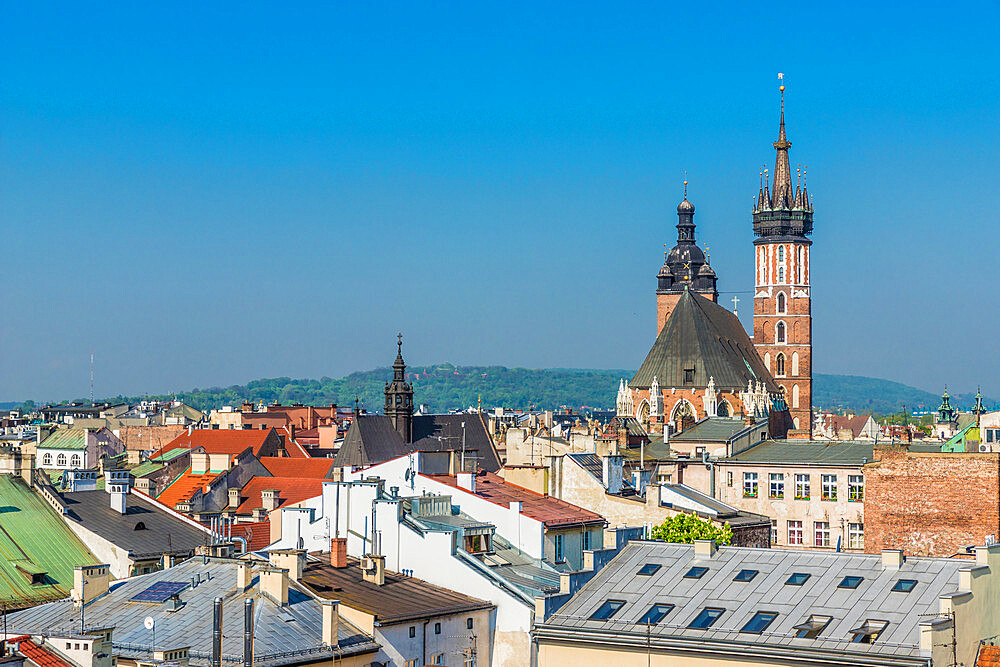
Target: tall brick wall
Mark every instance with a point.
(930, 504)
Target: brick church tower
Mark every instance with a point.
(782, 310)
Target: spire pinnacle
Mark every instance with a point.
(782, 194)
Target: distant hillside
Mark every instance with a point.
(445, 386)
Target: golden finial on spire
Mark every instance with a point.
(781, 81)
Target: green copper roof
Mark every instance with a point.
(171, 455)
(35, 541)
(66, 438)
(146, 468)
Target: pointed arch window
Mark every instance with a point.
(781, 305)
(779, 332)
(781, 275)
(781, 253)
(779, 365)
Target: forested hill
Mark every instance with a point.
(444, 387)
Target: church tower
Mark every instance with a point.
(684, 267)
(782, 309)
(399, 396)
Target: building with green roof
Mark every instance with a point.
(38, 551)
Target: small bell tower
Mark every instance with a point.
(399, 396)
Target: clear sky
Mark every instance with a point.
(206, 194)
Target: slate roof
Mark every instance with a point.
(401, 598)
(712, 429)
(428, 428)
(66, 438)
(372, 439)
(34, 539)
(290, 490)
(702, 335)
(820, 595)
(146, 529)
(283, 635)
(554, 513)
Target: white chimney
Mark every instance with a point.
(611, 473)
(467, 481)
(331, 622)
(118, 500)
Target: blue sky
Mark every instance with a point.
(207, 195)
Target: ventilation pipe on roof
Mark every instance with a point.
(217, 633)
(248, 632)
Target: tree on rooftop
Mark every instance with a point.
(686, 528)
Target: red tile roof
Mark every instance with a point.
(290, 490)
(257, 534)
(989, 656)
(40, 655)
(292, 448)
(283, 466)
(218, 441)
(184, 487)
(554, 513)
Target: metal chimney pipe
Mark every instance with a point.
(248, 633)
(217, 633)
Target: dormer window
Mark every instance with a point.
(688, 376)
(812, 627)
(868, 632)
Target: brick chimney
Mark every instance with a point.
(338, 552)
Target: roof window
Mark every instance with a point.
(745, 575)
(851, 582)
(868, 632)
(648, 569)
(655, 614)
(607, 610)
(904, 585)
(706, 618)
(812, 627)
(797, 579)
(759, 622)
(696, 572)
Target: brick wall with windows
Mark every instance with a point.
(930, 504)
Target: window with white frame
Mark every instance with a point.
(802, 487)
(437, 659)
(75, 461)
(781, 303)
(829, 489)
(821, 530)
(855, 536)
(749, 485)
(776, 487)
(47, 459)
(794, 532)
(61, 460)
(855, 488)
(781, 275)
(779, 332)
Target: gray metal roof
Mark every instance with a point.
(146, 528)
(767, 591)
(712, 429)
(283, 635)
(803, 452)
(702, 335)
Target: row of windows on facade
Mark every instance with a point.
(468, 656)
(75, 460)
(828, 486)
(821, 534)
(559, 545)
(780, 364)
(781, 265)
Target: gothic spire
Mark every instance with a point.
(399, 366)
(782, 192)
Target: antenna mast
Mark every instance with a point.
(91, 376)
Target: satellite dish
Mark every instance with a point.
(148, 622)
(407, 474)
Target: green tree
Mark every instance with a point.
(686, 528)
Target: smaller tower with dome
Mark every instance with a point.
(685, 266)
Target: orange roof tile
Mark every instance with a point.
(989, 656)
(290, 490)
(184, 487)
(40, 655)
(554, 513)
(218, 441)
(283, 466)
(257, 534)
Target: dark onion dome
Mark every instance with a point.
(687, 252)
(685, 206)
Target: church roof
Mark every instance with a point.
(372, 439)
(703, 336)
